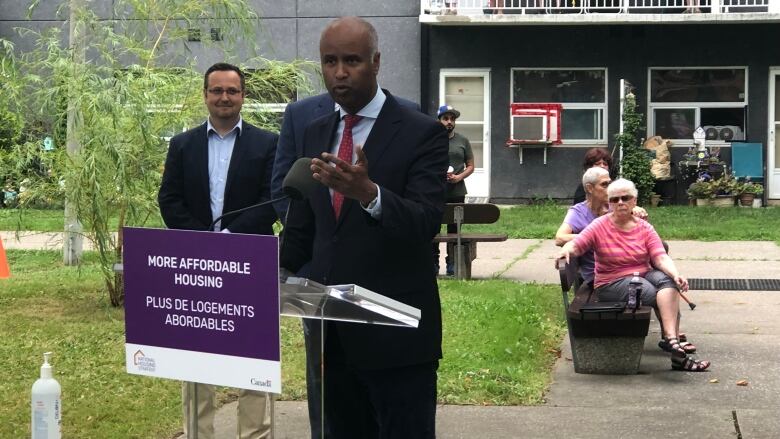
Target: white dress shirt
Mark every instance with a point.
(360, 132)
(220, 152)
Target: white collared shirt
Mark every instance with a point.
(220, 152)
(360, 133)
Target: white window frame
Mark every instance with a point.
(482, 173)
(604, 107)
(697, 106)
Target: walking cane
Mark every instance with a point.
(690, 304)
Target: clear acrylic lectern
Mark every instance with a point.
(300, 297)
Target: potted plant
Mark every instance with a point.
(725, 189)
(654, 199)
(710, 191)
(747, 192)
(702, 191)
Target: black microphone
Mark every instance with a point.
(297, 185)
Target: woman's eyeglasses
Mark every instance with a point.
(623, 198)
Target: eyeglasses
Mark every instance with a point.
(220, 91)
(605, 183)
(623, 198)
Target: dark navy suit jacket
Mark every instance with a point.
(407, 157)
(184, 197)
(290, 147)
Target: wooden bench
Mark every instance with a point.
(464, 213)
(603, 342)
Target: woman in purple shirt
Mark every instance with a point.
(595, 182)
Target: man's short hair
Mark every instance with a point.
(223, 67)
(373, 37)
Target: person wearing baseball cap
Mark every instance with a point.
(461, 165)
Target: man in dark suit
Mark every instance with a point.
(372, 224)
(220, 166)
(297, 116)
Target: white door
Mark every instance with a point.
(468, 91)
(773, 149)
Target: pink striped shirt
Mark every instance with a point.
(619, 253)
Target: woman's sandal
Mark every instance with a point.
(688, 364)
(689, 348)
(675, 347)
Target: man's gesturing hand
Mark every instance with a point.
(351, 180)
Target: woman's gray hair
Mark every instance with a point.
(621, 185)
(592, 175)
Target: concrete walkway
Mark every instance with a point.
(737, 330)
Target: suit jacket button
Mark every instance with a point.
(335, 239)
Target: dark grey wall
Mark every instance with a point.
(288, 29)
(626, 51)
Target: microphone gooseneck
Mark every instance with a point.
(297, 185)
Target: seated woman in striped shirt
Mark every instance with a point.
(623, 244)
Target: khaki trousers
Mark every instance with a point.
(254, 412)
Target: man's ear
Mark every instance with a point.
(375, 62)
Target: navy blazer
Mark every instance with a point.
(290, 148)
(184, 197)
(407, 157)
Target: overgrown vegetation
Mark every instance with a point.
(635, 164)
(500, 339)
(115, 104)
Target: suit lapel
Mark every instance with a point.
(382, 133)
(201, 144)
(236, 158)
(323, 130)
(384, 130)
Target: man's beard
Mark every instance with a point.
(450, 128)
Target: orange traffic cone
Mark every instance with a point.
(5, 272)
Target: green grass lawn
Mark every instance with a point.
(541, 221)
(500, 340)
(672, 223)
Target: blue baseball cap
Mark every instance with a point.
(444, 109)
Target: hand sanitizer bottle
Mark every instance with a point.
(46, 407)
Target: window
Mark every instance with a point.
(682, 99)
(581, 92)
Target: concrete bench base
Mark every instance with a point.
(608, 355)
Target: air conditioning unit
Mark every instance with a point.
(530, 128)
(535, 124)
(725, 133)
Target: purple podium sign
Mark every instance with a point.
(203, 307)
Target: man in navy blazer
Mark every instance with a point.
(220, 166)
(371, 224)
(297, 117)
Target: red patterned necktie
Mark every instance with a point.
(345, 153)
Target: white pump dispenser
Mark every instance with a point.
(46, 405)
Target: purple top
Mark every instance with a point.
(578, 217)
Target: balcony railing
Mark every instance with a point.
(527, 7)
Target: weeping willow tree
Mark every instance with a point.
(119, 90)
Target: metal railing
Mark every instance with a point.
(497, 7)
